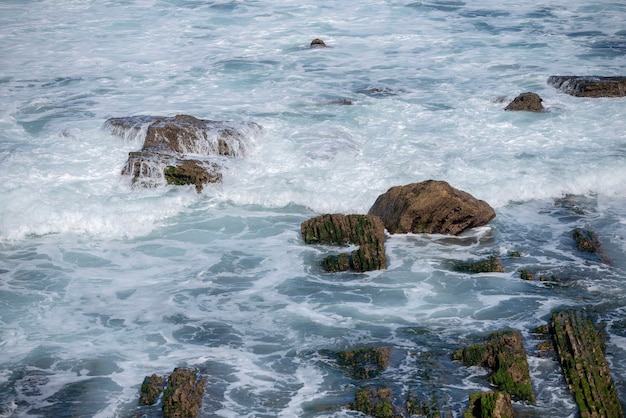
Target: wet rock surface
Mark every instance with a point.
(589, 86)
(432, 207)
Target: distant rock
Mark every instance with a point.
(589, 86)
(318, 43)
(488, 265)
(528, 101)
(180, 149)
(432, 207)
(365, 231)
(364, 363)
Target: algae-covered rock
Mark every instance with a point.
(181, 149)
(365, 231)
(376, 402)
(503, 353)
(183, 395)
(364, 363)
(490, 405)
(488, 265)
(580, 351)
(431, 207)
(151, 389)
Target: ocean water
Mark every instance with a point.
(102, 283)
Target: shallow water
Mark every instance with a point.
(102, 284)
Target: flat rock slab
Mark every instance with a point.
(589, 86)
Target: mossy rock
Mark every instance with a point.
(183, 395)
(376, 402)
(364, 363)
(580, 347)
(151, 389)
(488, 265)
(503, 353)
(365, 231)
(490, 405)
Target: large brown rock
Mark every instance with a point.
(530, 102)
(589, 86)
(432, 207)
(183, 395)
(180, 149)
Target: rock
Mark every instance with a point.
(169, 142)
(489, 265)
(151, 389)
(365, 231)
(587, 241)
(183, 395)
(318, 43)
(581, 353)
(376, 402)
(526, 101)
(503, 353)
(364, 363)
(590, 86)
(432, 207)
(490, 405)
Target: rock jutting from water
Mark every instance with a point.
(432, 207)
(530, 102)
(492, 404)
(581, 353)
(182, 149)
(364, 363)
(503, 353)
(589, 86)
(182, 392)
(365, 231)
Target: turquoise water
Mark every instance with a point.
(102, 284)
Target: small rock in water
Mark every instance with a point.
(318, 43)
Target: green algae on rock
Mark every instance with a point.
(183, 395)
(364, 363)
(490, 405)
(581, 354)
(376, 402)
(503, 353)
(151, 389)
(366, 231)
(488, 265)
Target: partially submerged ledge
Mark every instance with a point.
(581, 354)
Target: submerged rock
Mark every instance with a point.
(170, 142)
(589, 86)
(432, 207)
(365, 231)
(503, 353)
(529, 101)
